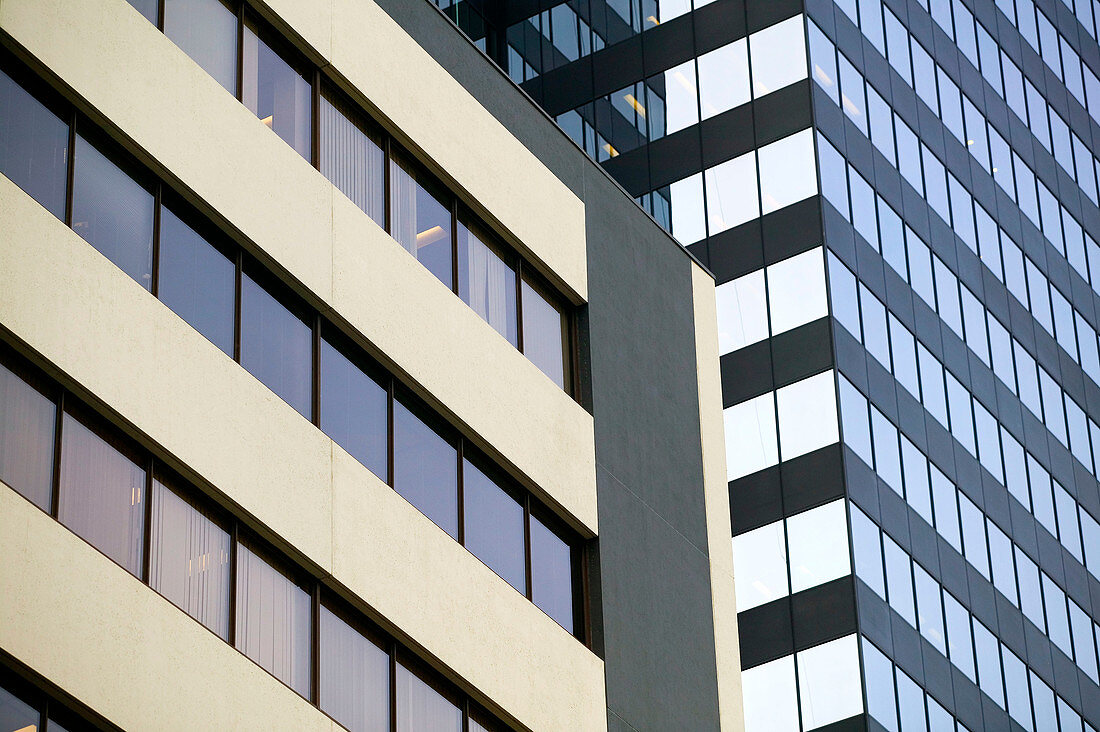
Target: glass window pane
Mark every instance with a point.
(148, 8)
(731, 193)
(544, 334)
(551, 574)
(829, 682)
(275, 92)
(751, 440)
(354, 410)
(354, 677)
(113, 213)
(724, 78)
(867, 547)
(910, 704)
(276, 346)
(959, 641)
(681, 96)
(807, 415)
(742, 312)
(761, 559)
(421, 708)
(818, 546)
(688, 221)
(796, 291)
(419, 220)
(102, 495)
(196, 281)
(989, 663)
(786, 170)
(880, 687)
(15, 714)
(352, 157)
(769, 694)
(425, 469)
(899, 580)
(493, 526)
(206, 30)
(189, 562)
(929, 612)
(486, 282)
(778, 56)
(27, 421)
(273, 620)
(33, 146)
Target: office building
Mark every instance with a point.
(898, 199)
(339, 389)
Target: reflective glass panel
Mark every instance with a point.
(551, 574)
(354, 677)
(486, 282)
(760, 556)
(770, 697)
(33, 146)
(807, 415)
(818, 541)
(419, 220)
(681, 97)
(206, 30)
(742, 312)
(493, 526)
(276, 92)
(421, 708)
(751, 443)
(354, 410)
(27, 421)
(425, 469)
(688, 221)
(829, 682)
(543, 334)
(796, 291)
(17, 715)
(778, 56)
(724, 78)
(276, 346)
(731, 193)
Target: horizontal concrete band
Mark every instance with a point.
(121, 346)
(188, 123)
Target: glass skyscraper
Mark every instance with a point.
(899, 201)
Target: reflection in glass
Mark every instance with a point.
(796, 291)
(551, 574)
(113, 213)
(724, 78)
(751, 440)
(15, 714)
(189, 562)
(688, 221)
(899, 580)
(867, 548)
(425, 469)
(818, 541)
(27, 420)
(494, 526)
(910, 704)
(421, 708)
(786, 171)
(770, 697)
(829, 682)
(276, 346)
(760, 556)
(486, 282)
(354, 677)
(206, 30)
(807, 415)
(354, 410)
(276, 93)
(419, 221)
(196, 281)
(880, 687)
(148, 8)
(823, 58)
(543, 334)
(352, 158)
(731, 193)
(273, 620)
(102, 495)
(778, 56)
(33, 146)
(742, 312)
(681, 97)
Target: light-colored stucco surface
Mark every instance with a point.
(117, 343)
(716, 492)
(288, 212)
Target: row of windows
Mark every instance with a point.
(1087, 12)
(805, 690)
(27, 711)
(288, 347)
(790, 555)
(945, 623)
(962, 524)
(367, 166)
(950, 404)
(901, 705)
(780, 425)
(943, 191)
(124, 502)
(700, 88)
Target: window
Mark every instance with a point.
(760, 556)
(724, 78)
(273, 620)
(33, 146)
(778, 56)
(688, 221)
(102, 494)
(421, 707)
(276, 346)
(796, 291)
(113, 213)
(818, 546)
(681, 97)
(15, 714)
(189, 559)
(425, 469)
(352, 157)
(419, 220)
(899, 580)
(742, 312)
(867, 548)
(751, 440)
(551, 574)
(206, 30)
(354, 410)
(829, 682)
(786, 171)
(880, 687)
(354, 676)
(276, 92)
(770, 697)
(731, 193)
(544, 334)
(196, 281)
(486, 282)
(807, 415)
(27, 420)
(493, 526)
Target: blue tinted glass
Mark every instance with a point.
(1031, 598)
(1000, 551)
(33, 146)
(874, 326)
(899, 581)
(878, 676)
(425, 469)
(27, 420)
(959, 647)
(551, 574)
(196, 281)
(1043, 699)
(973, 526)
(354, 410)
(929, 611)
(887, 457)
(868, 552)
(947, 512)
(986, 650)
(910, 704)
(276, 346)
(1019, 706)
(493, 526)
